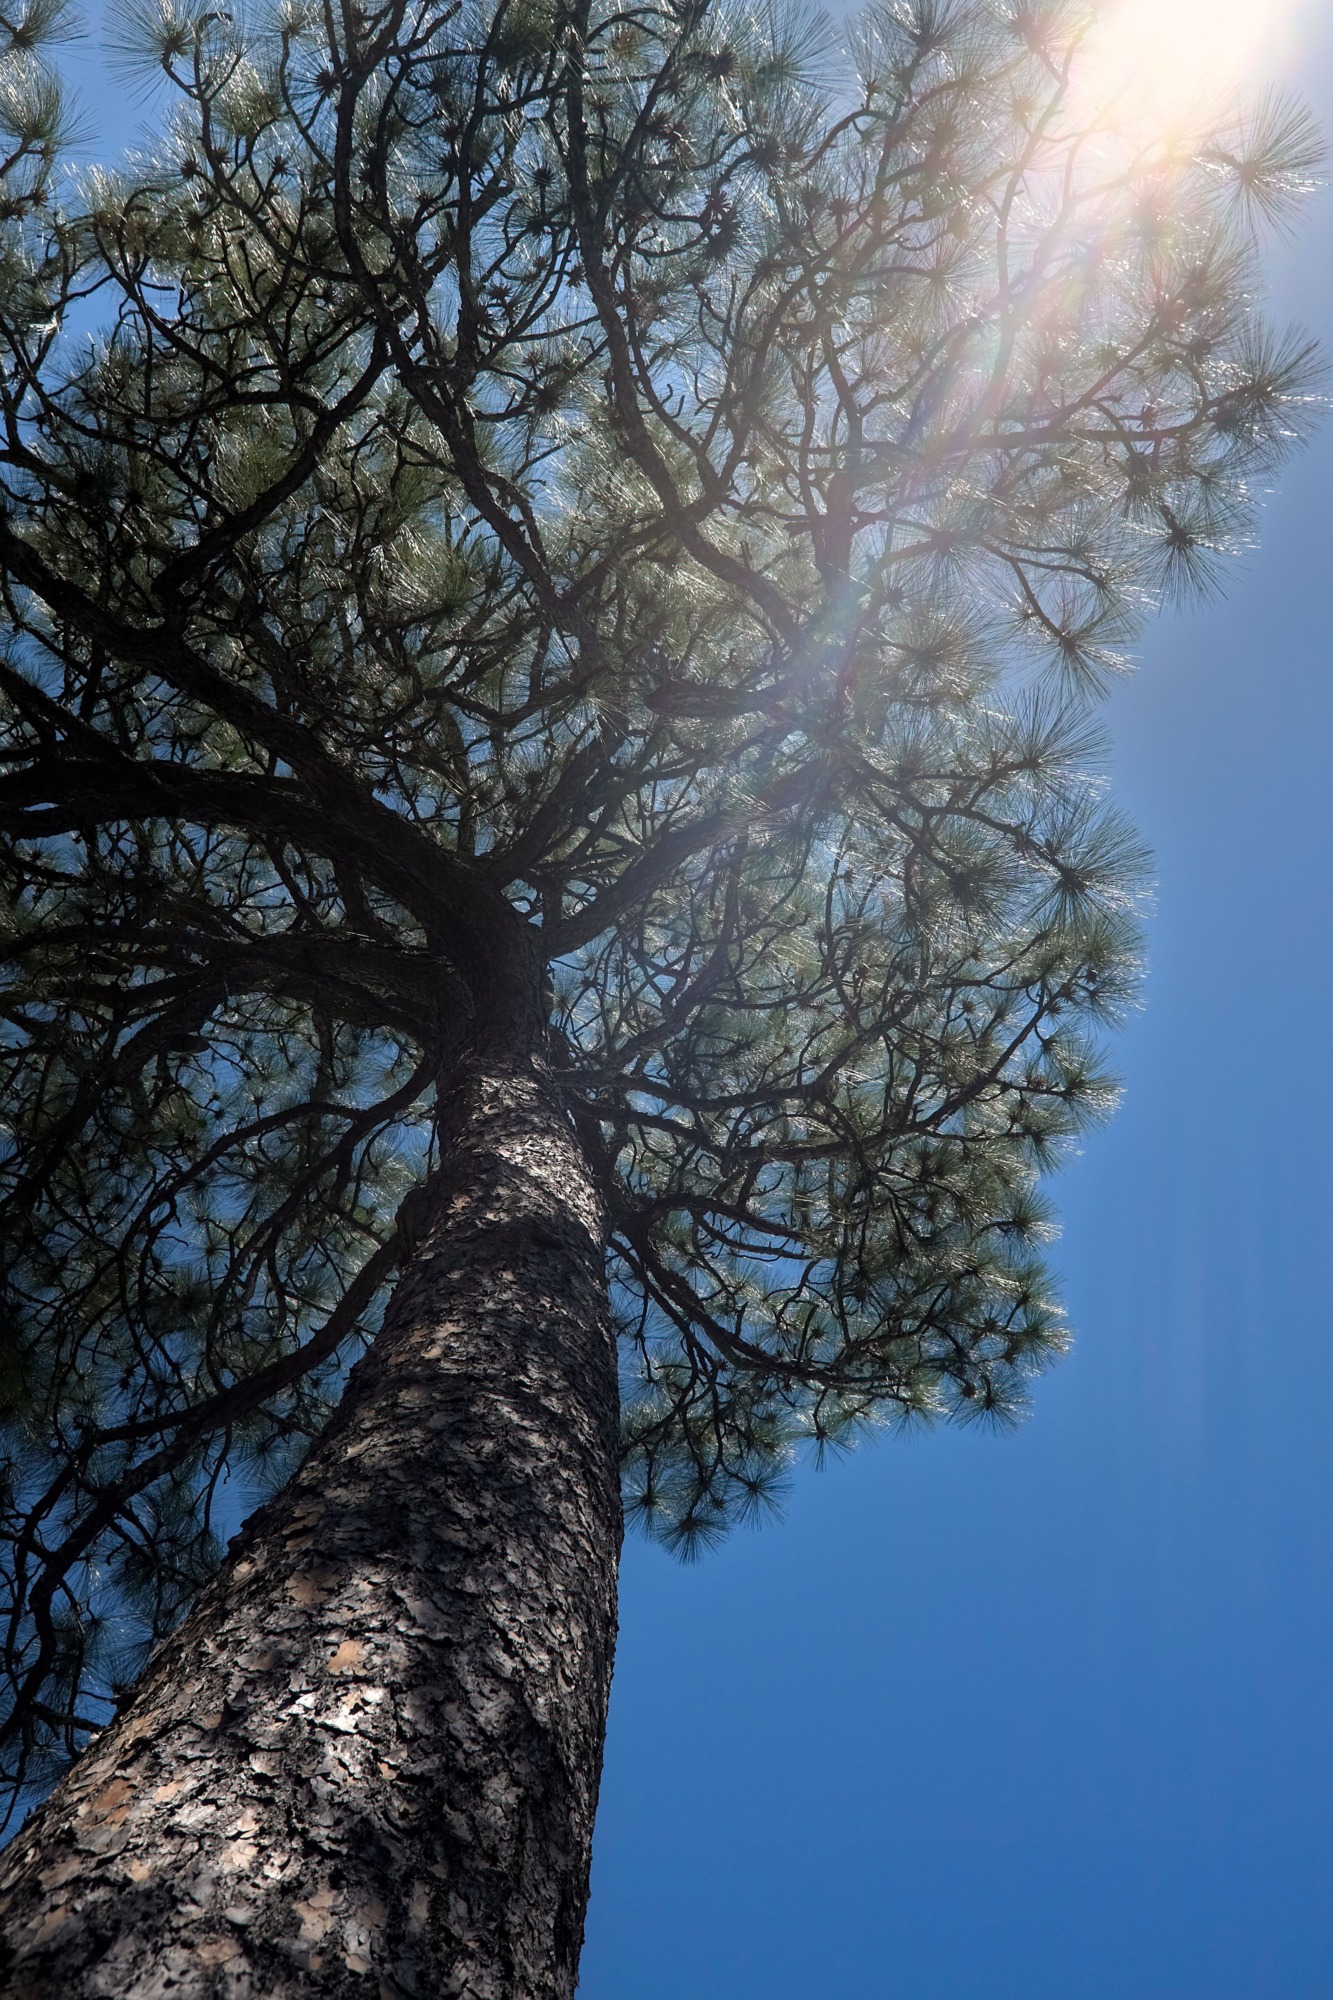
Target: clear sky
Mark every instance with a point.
(1050, 1716)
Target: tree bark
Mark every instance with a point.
(367, 1762)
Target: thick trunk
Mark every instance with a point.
(367, 1763)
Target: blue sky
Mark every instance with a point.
(1050, 1715)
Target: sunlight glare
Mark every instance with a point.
(1170, 63)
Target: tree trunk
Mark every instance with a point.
(367, 1763)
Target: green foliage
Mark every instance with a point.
(589, 517)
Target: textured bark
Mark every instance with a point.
(367, 1763)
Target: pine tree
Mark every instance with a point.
(557, 564)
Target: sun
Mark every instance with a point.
(1169, 63)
